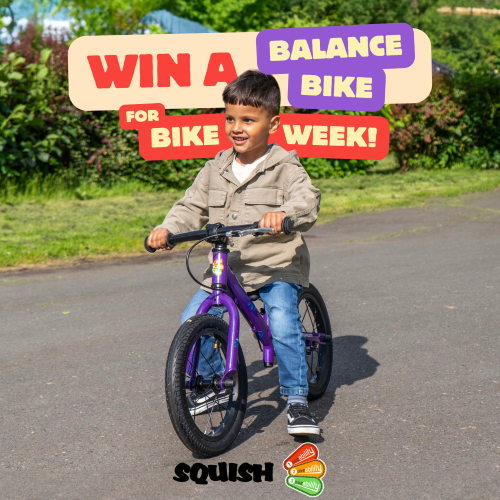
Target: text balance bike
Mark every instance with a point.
(206, 376)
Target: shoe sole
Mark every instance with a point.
(303, 430)
(204, 407)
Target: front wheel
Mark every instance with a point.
(314, 318)
(206, 419)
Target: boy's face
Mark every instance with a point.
(248, 128)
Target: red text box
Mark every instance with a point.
(203, 136)
(334, 136)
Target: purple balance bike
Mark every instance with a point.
(206, 375)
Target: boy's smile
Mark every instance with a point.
(248, 130)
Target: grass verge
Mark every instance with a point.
(381, 191)
(55, 228)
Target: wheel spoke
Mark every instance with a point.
(211, 367)
(313, 312)
(308, 364)
(210, 418)
(219, 405)
(207, 412)
(307, 309)
(212, 411)
(312, 322)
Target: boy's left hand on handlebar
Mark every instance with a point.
(273, 220)
(158, 239)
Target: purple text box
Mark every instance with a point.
(303, 50)
(359, 90)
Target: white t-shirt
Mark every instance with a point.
(242, 172)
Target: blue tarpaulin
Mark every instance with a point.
(173, 24)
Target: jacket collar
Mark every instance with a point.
(276, 155)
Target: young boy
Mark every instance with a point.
(257, 181)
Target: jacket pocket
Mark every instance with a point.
(264, 196)
(259, 201)
(216, 203)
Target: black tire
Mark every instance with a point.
(314, 314)
(177, 390)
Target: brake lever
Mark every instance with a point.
(246, 232)
(260, 231)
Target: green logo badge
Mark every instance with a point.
(308, 485)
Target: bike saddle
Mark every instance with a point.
(254, 295)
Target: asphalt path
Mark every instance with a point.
(411, 412)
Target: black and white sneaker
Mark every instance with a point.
(206, 400)
(300, 420)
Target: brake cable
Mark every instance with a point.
(241, 233)
(187, 263)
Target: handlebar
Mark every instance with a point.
(213, 230)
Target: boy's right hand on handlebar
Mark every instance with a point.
(158, 239)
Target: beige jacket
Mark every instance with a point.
(278, 184)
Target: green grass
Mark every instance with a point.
(381, 191)
(53, 187)
(57, 226)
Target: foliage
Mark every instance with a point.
(24, 107)
(254, 15)
(463, 42)
(6, 11)
(108, 17)
(458, 41)
(42, 133)
(458, 121)
(84, 146)
(430, 133)
(479, 94)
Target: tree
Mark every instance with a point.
(107, 17)
(6, 11)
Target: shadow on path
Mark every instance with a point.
(351, 362)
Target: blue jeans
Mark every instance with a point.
(281, 302)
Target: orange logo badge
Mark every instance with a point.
(315, 468)
(304, 453)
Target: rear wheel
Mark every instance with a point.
(206, 419)
(314, 318)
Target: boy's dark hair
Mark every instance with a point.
(253, 88)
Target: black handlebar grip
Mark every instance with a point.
(153, 250)
(169, 243)
(287, 225)
(147, 247)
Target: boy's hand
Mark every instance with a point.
(158, 239)
(274, 220)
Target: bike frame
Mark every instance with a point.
(229, 293)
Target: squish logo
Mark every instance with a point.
(217, 267)
(305, 470)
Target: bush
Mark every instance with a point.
(429, 134)
(25, 143)
(459, 121)
(479, 94)
(43, 133)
